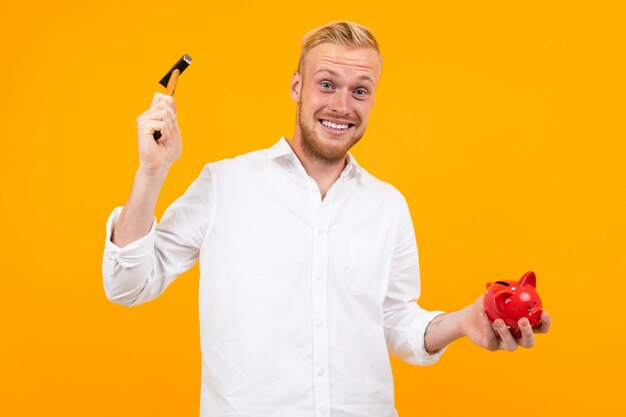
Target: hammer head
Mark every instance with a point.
(181, 65)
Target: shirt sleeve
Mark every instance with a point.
(142, 270)
(404, 320)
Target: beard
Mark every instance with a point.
(313, 147)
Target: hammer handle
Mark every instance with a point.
(171, 87)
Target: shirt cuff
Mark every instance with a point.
(416, 337)
(131, 254)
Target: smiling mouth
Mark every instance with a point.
(337, 127)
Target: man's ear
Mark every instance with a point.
(296, 87)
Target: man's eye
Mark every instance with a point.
(360, 92)
(326, 84)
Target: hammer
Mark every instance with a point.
(170, 79)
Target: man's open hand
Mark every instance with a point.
(477, 327)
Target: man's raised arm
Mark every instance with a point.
(155, 159)
(142, 258)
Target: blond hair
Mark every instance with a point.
(347, 34)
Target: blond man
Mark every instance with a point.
(309, 269)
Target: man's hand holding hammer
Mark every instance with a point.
(155, 159)
(160, 117)
(160, 145)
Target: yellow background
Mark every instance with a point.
(501, 122)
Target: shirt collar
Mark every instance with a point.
(282, 148)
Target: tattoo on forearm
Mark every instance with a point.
(434, 323)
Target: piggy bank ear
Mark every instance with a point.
(528, 279)
(501, 299)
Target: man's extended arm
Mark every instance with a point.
(472, 322)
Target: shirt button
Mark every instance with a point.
(320, 372)
(318, 277)
(319, 324)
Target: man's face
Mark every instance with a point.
(335, 94)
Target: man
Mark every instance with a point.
(309, 267)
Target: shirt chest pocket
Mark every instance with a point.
(368, 268)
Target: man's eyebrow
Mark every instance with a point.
(334, 73)
(331, 72)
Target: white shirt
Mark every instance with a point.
(301, 299)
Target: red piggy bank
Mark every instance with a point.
(512, 300)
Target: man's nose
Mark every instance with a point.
(341, 101)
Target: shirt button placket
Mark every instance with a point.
(320, 312)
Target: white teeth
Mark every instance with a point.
(334, 126)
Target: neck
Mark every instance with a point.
(325, 173)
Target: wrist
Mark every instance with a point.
(152, 173)
(462, 320)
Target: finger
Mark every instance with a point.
(508, 342)
(161, 115)
(151, 126)
(160, 105)
(163, 112)
(151, 114)
(171, 109)
(528, 338)
(544, 327)
(160, 96)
